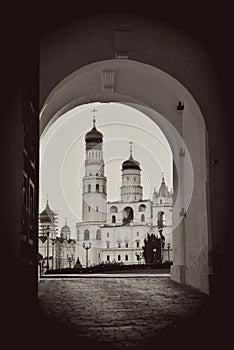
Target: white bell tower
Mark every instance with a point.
(94, 181)
(131, 189)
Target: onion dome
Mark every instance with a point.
(65, 231)
(93, 136)
(131, 163)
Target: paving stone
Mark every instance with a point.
(121, 312)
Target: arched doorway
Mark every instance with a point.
(183, 125)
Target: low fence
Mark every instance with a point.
(109, 267)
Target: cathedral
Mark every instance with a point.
(56, 252)
(115, 231)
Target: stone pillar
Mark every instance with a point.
(178, 267)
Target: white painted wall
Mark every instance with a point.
(164, 67)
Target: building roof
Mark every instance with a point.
(121, 202)
(163, 190)
(47, 215)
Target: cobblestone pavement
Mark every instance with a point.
(117, 312)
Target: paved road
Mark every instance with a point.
(117, 312)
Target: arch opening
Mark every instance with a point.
(176, 128)
(128, 215)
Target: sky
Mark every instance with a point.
(62, 156)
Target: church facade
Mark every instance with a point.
(115, 231)
(56, 252)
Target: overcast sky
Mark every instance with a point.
(62, 156)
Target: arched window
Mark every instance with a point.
(86, 235)
(142, 217)
(108, 258)
(161, 219)
(96, 208)
(89, 188)
(108, 245)
(89, 208)
(137, 244)
(113, 218)
(97, 187)
(126, 244)
(126, 257)
(119, 257)
(113, 209)
(160, 201)
(127, 215)
(98, 235)
(142, 207)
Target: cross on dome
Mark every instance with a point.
(130, 143)
(93, 136)
(94, 119)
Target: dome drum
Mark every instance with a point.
(93, 146)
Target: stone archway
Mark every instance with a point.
(173, 108)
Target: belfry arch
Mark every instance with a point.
(128, 215)
(185, 131)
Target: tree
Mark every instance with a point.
(78, 264)
(152, 249)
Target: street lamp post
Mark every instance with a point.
(53, 243)
(48, 248)
(161, 252)
(160, 230)
(87, 247)
(155, 255)
(168, 250)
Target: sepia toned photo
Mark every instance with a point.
(116, 179)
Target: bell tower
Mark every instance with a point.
(94, 181)
(131, 189)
